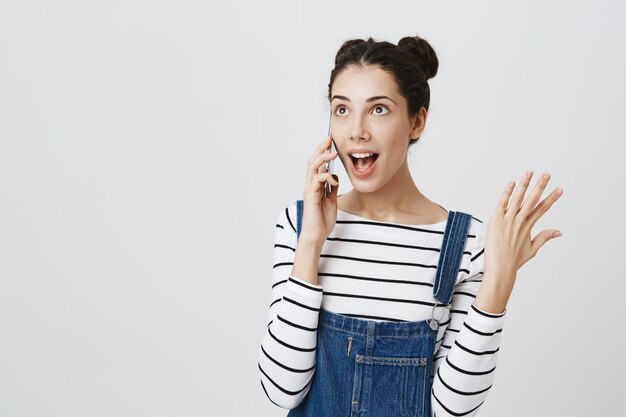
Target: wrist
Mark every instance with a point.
(494, 293)
(500, 273)
(309, 244)
(306, 259)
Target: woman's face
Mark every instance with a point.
(369, 113)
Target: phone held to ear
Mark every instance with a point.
(329, 165)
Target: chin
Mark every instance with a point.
(365, 186)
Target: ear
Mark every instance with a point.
(418, 123)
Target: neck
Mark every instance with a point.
(399, 195)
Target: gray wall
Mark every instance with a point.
(147, 147)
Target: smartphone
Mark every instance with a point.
(329, 165)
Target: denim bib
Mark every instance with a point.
(381, 369)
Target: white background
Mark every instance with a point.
(148, 147)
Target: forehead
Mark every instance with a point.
(359, 83)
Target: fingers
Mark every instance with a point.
(317, 164)
(528, 211)
(504, 198)
(324, 145)
(324, 178)
(541, 240)
(322, 163)
(514, 206)
(334, 189)
(318, 158)
(534, 196)
(543, 206)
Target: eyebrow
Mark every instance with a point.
(367, 101)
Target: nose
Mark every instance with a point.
(358, 130)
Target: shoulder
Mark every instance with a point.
(477, 226)
(476, 233)
(287, 219)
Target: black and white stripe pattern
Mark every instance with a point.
(380, 271)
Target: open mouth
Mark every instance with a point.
(362, 164)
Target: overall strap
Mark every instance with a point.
(451, 255)
(300, 206)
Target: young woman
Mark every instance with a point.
(384, 303)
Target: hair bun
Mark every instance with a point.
(425, 54)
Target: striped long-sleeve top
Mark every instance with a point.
(380, 271)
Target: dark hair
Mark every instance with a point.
(412, 63)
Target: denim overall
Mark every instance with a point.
(381, 369)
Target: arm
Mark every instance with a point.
(288, 348)
(469, 363)
(466, 361)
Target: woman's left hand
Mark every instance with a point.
(508, 244)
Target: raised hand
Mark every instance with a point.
(508, 243)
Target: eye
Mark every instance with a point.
(340, 108)
(376, 108)
(381, 107)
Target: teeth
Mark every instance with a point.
(362, 155)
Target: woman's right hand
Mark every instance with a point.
(320, 212)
